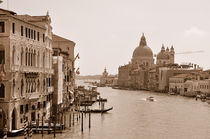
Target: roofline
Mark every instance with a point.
(64, 39)
(11, 12)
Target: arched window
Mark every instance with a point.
(38, 84)
(13, 88)
(43, 84)
(43, 60)
(21, 87)
(26, 57)
(38, 58)
(13, 55)
(21, 57)
(2, 90)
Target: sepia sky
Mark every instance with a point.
(106, 32)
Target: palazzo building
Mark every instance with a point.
(26, 61)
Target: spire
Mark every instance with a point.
(143, 41)
(167, 49)
(163, 48)
(47, 13)
(172, 48)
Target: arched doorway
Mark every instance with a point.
(13, 120)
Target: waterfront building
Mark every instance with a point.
(64, 77)
(176, 83)
(166, 72)
(106, 79)
(26, 61)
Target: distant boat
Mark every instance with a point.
(172, 93)
(150, 98)
(96, 110)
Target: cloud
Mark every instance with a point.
(194, 32)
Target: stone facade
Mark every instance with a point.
(64, 77)
(26, 54)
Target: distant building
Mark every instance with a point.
(106, 79)
(165, 57)
(26, 58)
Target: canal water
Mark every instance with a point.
(132, 117)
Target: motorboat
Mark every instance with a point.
(172, 93)
(150, 98)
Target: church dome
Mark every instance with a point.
(162, 55)
(142, 50)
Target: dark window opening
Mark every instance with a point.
(34, 35)
(43, 38)
(26, 32)
(2, 27)
(38, 36)
(38, 106)
(26, 107)
(44, 104)
(2, 57)
(2, 91)
(29, 33)
(21, 109)
(13, 28)
(21, 30)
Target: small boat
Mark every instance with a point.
(172, 93)
(151, 98)
(101, 110)
(96, 110)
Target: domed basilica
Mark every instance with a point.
(143, 55)
(140, 72)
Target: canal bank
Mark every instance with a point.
(169, 117)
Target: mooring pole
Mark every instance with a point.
(42, 126)
(89, 119)
(73, 118)
(70, 119)
(54, 126)
(82, 123)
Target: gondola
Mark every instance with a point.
(96, 110)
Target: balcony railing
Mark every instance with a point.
(50, 89)
(15, 67)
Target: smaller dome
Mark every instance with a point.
(162, 55)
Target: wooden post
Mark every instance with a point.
(49, 126)
(82, 123)
(89, 119)
(25, 130)
(64, 121)
(30, 131)
(70, 119)
(42, 126)
(73, 118)
(5, 132)
(54, 125)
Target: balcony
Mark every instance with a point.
(34, 95)
(49, 71)
(15, 68)
(30, 69)
(50, 89)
